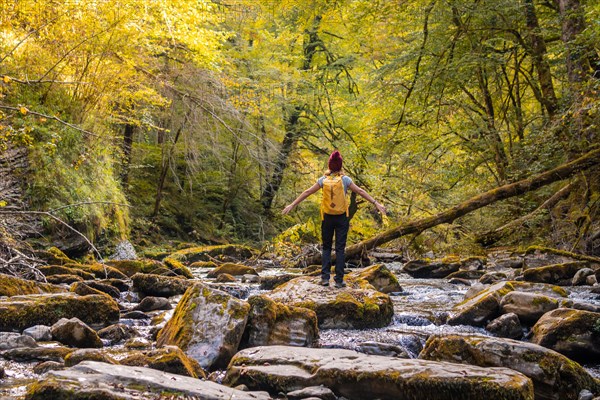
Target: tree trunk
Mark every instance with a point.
(573, 24)
(164, 169)
(564, 171)
(127, 147)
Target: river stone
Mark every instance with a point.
(430, 269)
(124, 250)
(555, 274)
(271, 282)
(537, 256)
(117, 333)
(81, 355)
(40, 333)
(554, 376)
(73, 332)
(167, 359)
(46, 366)
(355, 307)
(159, 285)
(225, 278)
(382, 349)
(100, 271)
(11, 340)
(105, 288)
(83, 289)
(273, 323)
(493, 277)
(20, 312)
(63, 279)
(580, 277)
(314, 392)
(528, 306)
(28, 354)
(506, 326)
(152, 303)
(360, 376)
(228, 252)
(231, 269)
(380, 277)
(485, 306)
(96, 380)
(207, 325)
(574, 333)
(13, 286)
(59, 270)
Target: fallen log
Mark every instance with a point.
(561, 172)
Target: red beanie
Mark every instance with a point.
(335, 161)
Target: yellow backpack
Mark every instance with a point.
(334, 198)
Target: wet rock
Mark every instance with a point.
(82, 382)
(59, 270)
(555, 274)
(124, 250)
(231, 269)
(591, 280)
(380, 277)
(235, 290)
(20, 312)
(135, 315)
(73, 332)
(28, 354)
(158, 285)
(225, 278)
(485, 306)
(360, 376)
(580, 277)
(207, 325)
(315, 392)
(382, 349)
(574, 333)
(357, 306)
(84, 289)
(152, 303)
(509, 262)
(121, 284)
(271, 282)
(249, 278)
(117, 333)
(46, 366)
(167, 359)
(40, 333)
(176, 267)
(53, 255)
(138, 343)
(10, 340)
(143, 265)
(506, 326)
(105, 288)
(537, 256)
(528, 306)
(459, 281)
(430, 269)
(203, 264)
(228, 252)
(13, 286)
(63, 279)
(493, 277)
(100, 271)
(466, 274)
(81, 355)
(554, 376)
(272, 323)
(585, 395)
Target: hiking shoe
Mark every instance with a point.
(340, 285)
(324, 282)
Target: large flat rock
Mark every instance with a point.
(97, 380)
(360, 376)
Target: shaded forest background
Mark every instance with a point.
(198, 121)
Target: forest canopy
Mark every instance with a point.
(198, 120)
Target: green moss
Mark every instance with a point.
(206, 253)
(203, 264)
(177, 267)
(575, 256)
(13, 286)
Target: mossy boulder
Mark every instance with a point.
(554, 274)
(227, 252)
(51, 270)
(20, 312)
(75, 333)
(13, 286)
(31, 354)
(100, 271)
(380, 277)
(273, 323)
(207, 325)
(203, 264)
(177, 267)
(529, 307)
(81, 355)
(357, 306)
(270, 282)
(574, 333)
(426, 269)
(168, 359)
(554, 376)
(117, 333)
(63, 279)
(539, 256)
(101, 381)
(159, 285)
(231, 269)
(54, 256)
(142, 265)
(358, 376)
(484, 306)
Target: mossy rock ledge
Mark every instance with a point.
(207, 325)
(21, 312)
(227, 252)
(13, 286)
(98, 380)
(484, 306)
(561, 274)
(554, 376)
(359, 376)
(574, 333)
(357, 306)
(380, 277)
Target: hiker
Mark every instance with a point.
(334, 215)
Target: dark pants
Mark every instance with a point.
(339, 225)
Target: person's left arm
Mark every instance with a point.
(301, 198)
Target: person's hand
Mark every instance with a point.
(381, 208)
(287, 209)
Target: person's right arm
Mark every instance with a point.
(363, 193)
(301, 198)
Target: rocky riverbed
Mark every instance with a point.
(219, 322)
